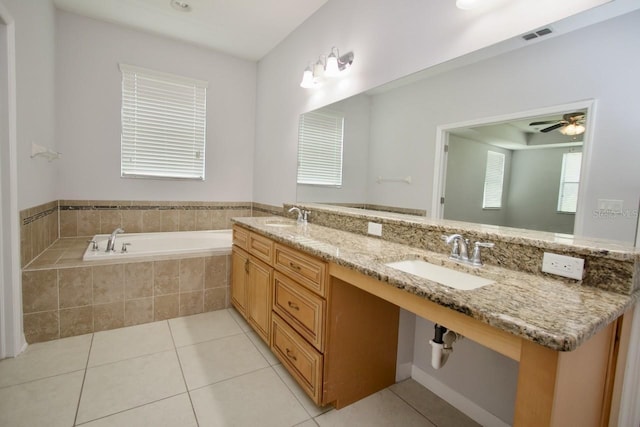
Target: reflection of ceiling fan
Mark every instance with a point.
(570, 124)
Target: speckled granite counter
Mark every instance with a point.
(554, 313)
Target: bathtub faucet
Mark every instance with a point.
(111, 243)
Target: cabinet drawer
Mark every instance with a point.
(303, 361)
(241, 237)
(303, 309)
(304, 269)
(261, 247)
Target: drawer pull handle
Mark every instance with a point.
(294, 266)
(293, 305)
(291, 356)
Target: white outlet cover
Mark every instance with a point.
(375, 229)
(563, 265)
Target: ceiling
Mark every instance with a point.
(247, 29)
(520, 135)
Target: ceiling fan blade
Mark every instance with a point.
(554, 127)
(547, 122)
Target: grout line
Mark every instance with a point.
(232, 378)
(295, 395)
(40, 378)
(413, 407)
(184, 379)
(84, 377)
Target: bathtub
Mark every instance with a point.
(211, 242)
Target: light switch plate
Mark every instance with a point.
(375, 229)
(563, 265)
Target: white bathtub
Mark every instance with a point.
(217, 242)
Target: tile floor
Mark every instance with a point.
(204, 370)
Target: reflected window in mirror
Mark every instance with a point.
(493, 181)
(569, 182)
(320, 143)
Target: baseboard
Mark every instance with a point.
(403, 371)
(457, 400)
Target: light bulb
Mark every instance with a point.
(307, 79)
(332, 69)
(318, 72)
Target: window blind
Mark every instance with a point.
(493, 181)
(320, 142)
(163, 125)
(569, 182)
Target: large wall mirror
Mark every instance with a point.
(538, 127)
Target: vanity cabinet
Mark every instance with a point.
(338, 342)
(251, 280)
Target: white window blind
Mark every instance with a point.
(569, 182)
(163, 125)
(320, 148)
(493, 181)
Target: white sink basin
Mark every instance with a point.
(281, 224)
(443, 275)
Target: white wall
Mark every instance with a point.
(88, 97)
(390, 40)
(35, 65)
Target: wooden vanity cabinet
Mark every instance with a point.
(338, 342)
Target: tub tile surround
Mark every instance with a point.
(558, 314)
(65, 296)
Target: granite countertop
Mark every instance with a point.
(553, 313)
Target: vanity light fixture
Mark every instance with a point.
(333, 66)
(573, 129)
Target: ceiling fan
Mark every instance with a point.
(569, 124)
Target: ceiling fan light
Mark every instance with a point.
(573, 129)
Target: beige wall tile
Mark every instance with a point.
(151, 221)
(38, 241)
(218, 220)
(138, 280)
(76, 321)
(108, 316)
(132, 221)
(215, 299)
(166, 307)
(108, 283)
(75, 287)
(39, 291)
(187, 220)
(68, 223)
(191, 303)
(216, 271)
(88, 223)
(191, 274)
(170, 220)
(42, 326)
(203, 219)
(166, 277)
(109, 221)
(26, 249)
(138, 311)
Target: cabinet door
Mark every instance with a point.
(259, 297)
(239, 272)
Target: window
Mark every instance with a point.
(320, 148)
(569, 182)
(493, 181)
(163, 125)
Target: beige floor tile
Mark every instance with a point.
(431, 406)
(263, 348)
(255, 399)
(381, 409)
(126, 343)
(212, 361)
(171, 412)
(47, 402)
(244, 325)
(308, 423)
(129, 383)
(312, 409)
(203, 327)
(45, 360)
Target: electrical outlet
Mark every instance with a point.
(563, 265)
(375, 229)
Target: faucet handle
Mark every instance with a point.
(124, 247)
(94, 245)
(305, 215)
(476, 259)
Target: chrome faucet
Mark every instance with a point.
(303, 215)
(460, 249)
(111, 243)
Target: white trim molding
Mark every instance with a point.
(12, 341)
